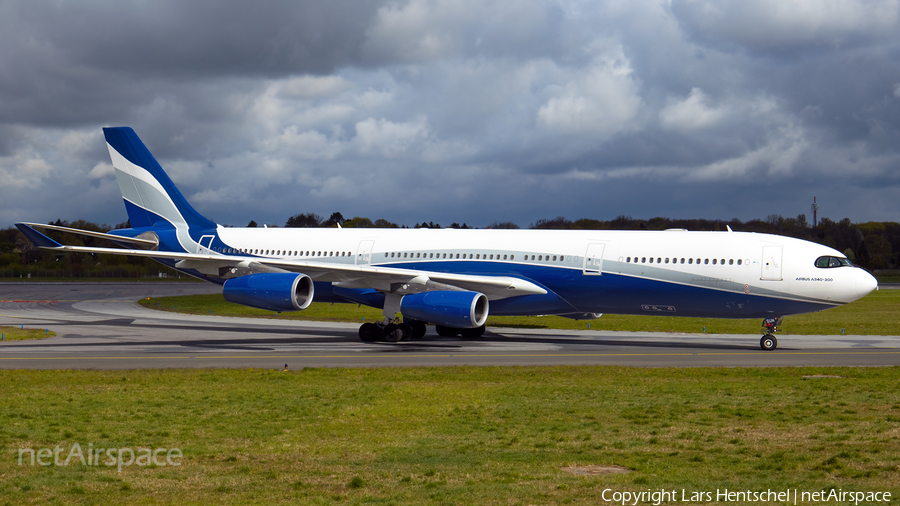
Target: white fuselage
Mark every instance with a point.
(672, 272)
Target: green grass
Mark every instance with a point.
(19, 334)
(875, 314)
(460, 435)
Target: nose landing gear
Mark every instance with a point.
(770, 326)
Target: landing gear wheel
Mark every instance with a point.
(418, 329)
(446, 331)
(369, 332)
(768, 342)
(393, 333)
(473, 333)
(407, 331)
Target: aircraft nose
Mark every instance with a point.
(865, 284)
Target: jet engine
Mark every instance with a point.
(458, 309)
(278, 291)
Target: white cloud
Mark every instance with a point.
(24, 171)
(76, 143)
(601, 99)
(307, 145)
(387, 138)
(337, 187)
(692, 113)
(102, 170)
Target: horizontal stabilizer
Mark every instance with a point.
(40, 240)
(88, 233)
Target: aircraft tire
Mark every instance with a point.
(768, 342)
(407, 330)
(446, 331)
(473, 333)
(368, 332)
(418, 329)
(393, 333)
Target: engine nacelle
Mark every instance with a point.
(463, 310)
(278, 291)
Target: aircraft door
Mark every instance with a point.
(364, 253)
(593, 260)
(771, 263)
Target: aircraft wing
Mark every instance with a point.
(386, 279)
(392, 279)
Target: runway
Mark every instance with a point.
(100, 326)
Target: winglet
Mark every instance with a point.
(40, 240)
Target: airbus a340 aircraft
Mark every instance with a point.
(455, 278)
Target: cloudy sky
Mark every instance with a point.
(456, 110)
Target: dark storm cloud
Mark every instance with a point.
(455, 110)
(190, 39)
(83, 62)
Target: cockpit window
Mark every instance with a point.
(829, 262)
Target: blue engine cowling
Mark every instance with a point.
(280, 291)
(462, 310)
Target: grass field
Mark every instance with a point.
(875, 314)
(460, 435)
(20, 334)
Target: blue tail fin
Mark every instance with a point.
(151, 199)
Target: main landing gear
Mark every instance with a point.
(391, 329)
(391, 332)
(396, 332)
(770, 326)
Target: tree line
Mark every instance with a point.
(873, 245)
(20, 258)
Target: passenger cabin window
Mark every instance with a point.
(831, 262)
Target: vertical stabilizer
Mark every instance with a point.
(151, 199)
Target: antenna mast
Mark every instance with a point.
(815, 211)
